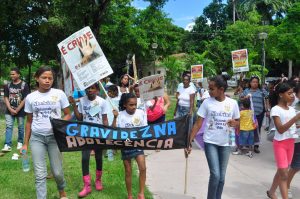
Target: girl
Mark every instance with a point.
(130, 117)
(40, 105)
(284, 118)
(91, 108)
(259, 99)
(185, 99)
(221, 113)
(124, 84)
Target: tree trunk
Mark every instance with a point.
(290, 69)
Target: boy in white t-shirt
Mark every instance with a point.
(91, 108)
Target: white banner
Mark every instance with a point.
(151, 86)
(85, 58)
(240, 60)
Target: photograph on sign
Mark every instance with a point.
(240, 60)
(197, 73)
(151, 86)
(85, 58)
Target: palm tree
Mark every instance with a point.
(266, 8)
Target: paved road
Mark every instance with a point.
(245, 179)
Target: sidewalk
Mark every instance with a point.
(246, 178)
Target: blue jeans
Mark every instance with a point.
(10, 119)
(182, 110)
(40, 145)
(217, 159)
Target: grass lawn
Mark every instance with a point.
(15, 184)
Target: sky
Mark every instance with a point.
(183, 12)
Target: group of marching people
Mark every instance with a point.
(123, 107)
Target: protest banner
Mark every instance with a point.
(240, 60)
(197, 73)
(85, 58)
(151, 86)
(78, 136)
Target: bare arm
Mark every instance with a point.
(21, 105)
(75, 108)
(114, 123)
(167, 102)
(12, 111)
(281, 128)
(104, 119)
(67, 114)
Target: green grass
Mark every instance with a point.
(15, 184)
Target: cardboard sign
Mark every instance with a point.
(240, 61)
(197, 73)
(151, 86)
(85, 58)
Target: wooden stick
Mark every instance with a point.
(186, 173)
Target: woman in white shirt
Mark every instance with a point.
(185, 98)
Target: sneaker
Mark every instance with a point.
(6, 148)
(19, 146)
(249, 154)
(238, 152)
(290, 195)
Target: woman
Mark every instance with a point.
(185, 98)
(260, 105)
(124, 84)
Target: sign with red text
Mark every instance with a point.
(85, 58)
(151, 86)
(240, 60)
(197, 73)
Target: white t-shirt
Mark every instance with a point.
(180, 85)
(110, 115)
(120, 93)
(217, 114)
(140, 104)
(285, 116)
(92, 111)
(184, 96)
(296, 106)
(43, 106)
(138, 119)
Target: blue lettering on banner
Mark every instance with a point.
(159, 130)
(84, 131)
(94, 132)
(146, 133)
(133, 135)
(115, 135)
(105, 133)
(172, 128)
(124, 135)
(71, 131)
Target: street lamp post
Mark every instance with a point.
(154, 47)
(263, 36)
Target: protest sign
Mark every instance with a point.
(85, 58)
(196, 73)
(240, 60)
(78, 136)
(151, 86)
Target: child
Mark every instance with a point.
(130, 117)
(91, 108)
(284, 118)
(40, 105)
(140, 104)
(246, 137)
(220, 112)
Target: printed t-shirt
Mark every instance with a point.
(92, 111)
(138, 119)
(16, 93)
(285, 116)
(184, 96)
(110, 115)
(217, 115)
(246, 120)
(43, 106)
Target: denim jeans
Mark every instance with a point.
(40, 145)
(182, 110)
(217, 159)
(10, 119)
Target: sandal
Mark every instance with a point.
(269, 195)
